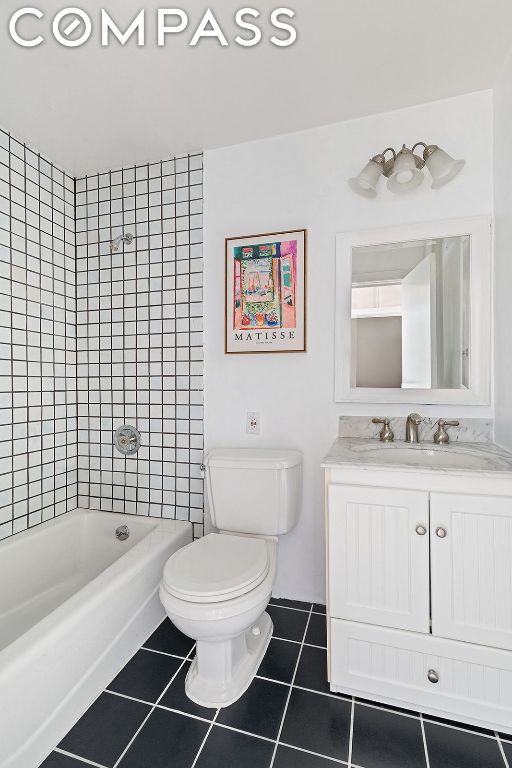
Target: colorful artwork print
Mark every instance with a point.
(265, 293)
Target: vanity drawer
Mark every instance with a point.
(474, 682)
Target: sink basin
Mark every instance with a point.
(462, 457)
(422, 455)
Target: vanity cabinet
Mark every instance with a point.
(420, 593)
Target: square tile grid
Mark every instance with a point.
(140, 355)
(288, 718)
(38, 373)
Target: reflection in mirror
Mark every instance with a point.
(411, 314)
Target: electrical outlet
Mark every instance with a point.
(253, 423)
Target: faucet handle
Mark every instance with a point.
(386, 434)
(441, 436)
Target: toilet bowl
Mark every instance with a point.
(216, 589)
(225, 616)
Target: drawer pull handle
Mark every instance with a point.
(433, 676)
(442, 533)
(421, 530)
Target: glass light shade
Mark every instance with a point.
(405, 175)
(442, 167)
(365, 183)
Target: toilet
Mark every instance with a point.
(216, 589)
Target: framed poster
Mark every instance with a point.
(266, 293)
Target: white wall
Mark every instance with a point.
(300, 180)
(503, 255)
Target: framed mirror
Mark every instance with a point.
(413, 314)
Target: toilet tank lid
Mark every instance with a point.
(253, 458)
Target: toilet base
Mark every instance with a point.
(222, 671)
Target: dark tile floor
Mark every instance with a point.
(287, 719)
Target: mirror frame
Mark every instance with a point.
(480, 361)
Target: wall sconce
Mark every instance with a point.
(404, 171)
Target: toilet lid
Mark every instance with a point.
(216, 567)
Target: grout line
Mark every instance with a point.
(205, 739)
(77, 757)
(271, 680)
(337, 696)
(500, 745)
(455, 727)
(424, 737)
(141, 726)
(246, 733)
(299, 642)
(327, 758)
(164, 653)
(351, 732)
(185, 714)
(290, 689)
(289, 608)
(130, 698)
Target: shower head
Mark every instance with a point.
(126, 237)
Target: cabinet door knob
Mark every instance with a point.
(441, 532)
(421, 530)
(433, 676)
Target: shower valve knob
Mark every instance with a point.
(127, 440)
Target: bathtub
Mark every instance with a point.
(75, 605)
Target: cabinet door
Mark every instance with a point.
(379, 556)
(471, 543)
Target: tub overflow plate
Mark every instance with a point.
(127, 440)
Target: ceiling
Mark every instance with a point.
(94, 108)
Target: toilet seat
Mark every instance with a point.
(216, 568)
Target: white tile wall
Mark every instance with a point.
(137, 314)
(140, 355)
(38, 386)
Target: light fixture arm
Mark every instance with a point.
(387, 165)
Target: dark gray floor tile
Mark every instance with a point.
(297, 604)
(229, 749)
(318, 608)
(103, 732)
(288, 624)
(451, 748)
(458, 724)
(383, 739)
(56, 760)
(312, 669)
(317, 723)
(507, 748)
(176, 698)
(169, 639)
(317, 630)
(287, 757)
(259, 711)
(387, 707)
(145, 676)
(167, 739)
(279, 661)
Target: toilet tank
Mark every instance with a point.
(254, 490)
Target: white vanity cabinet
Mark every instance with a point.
(419, 591)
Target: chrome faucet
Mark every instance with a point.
(411, 428)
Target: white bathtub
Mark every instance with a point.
(75, 604)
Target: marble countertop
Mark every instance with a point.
(480, 459)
